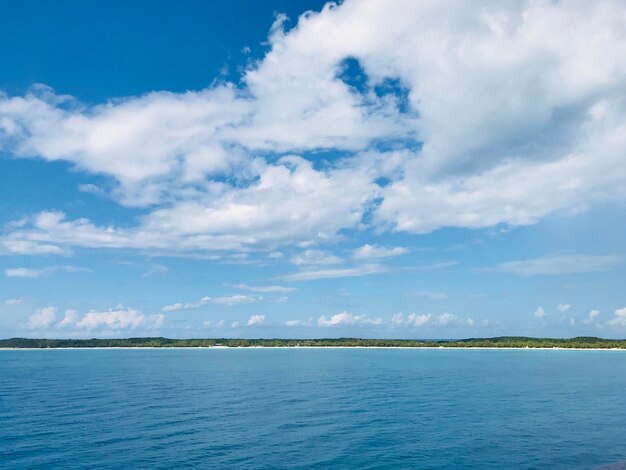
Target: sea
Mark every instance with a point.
(307, 408)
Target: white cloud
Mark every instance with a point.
(447, 319)
(593, 314)
(436, 266)
(214, 324)
(263, 289)
(374, 251)
(235, 324)
(291, 323)
(619, 318)
(13, 301)
(255, 320)
(90, 188)
(411, 319)
(118, 319)
(540, 312)
(563, 307)
(156, 269)
(314, 257)
(515, 192)
(310, 275)
(226, 300)
(432, 295)
(400, 319)
(42, 318)
(34, 273)
(232, 299)
(555, 265)
(346, 318)
(546, 131)
(290, 202)
(24, 247)
(532, 143)
(176, 306)
(111, 320)
(23, 272)
(428, 319)
(70, 318)
(134, 140)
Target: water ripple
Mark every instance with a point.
(311, 408)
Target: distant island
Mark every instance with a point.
(582, 342)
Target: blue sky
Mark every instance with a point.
(389, 169)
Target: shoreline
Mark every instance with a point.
(314, 347)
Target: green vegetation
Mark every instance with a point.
(582, 342)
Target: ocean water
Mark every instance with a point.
(312, 408)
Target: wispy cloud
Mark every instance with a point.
(90, 188)
(555, 265)
(226, 300)
(432, 295)
(347, 318)
(435, 266)
(307, 322)
(368, 251)
(314, 257)
(263, 289)
(428, 319)
(23, 272)
(25, 247)
(156, 269)
(314, 274)
(39, 272)
(214, 324)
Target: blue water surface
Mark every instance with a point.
(312, 408)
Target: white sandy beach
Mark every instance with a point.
(317, 347)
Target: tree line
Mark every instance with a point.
(581, 342)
